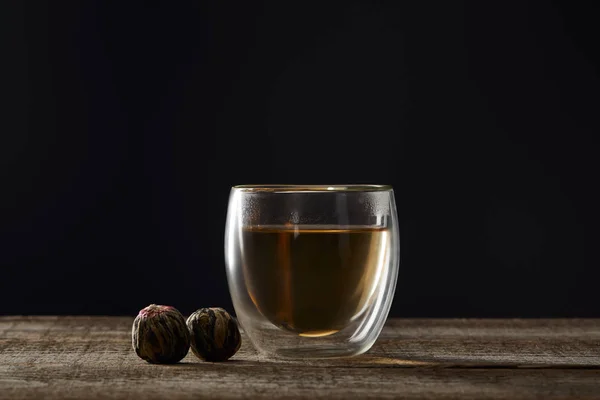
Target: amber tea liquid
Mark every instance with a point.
(313, 280)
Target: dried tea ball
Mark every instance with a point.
(214, 334)
(160, 335)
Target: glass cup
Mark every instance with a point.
(312, 269)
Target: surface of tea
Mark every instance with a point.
(313, 280)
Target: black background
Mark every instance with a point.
(124, 124)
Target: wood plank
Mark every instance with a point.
(91, 357)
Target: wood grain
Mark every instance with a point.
(91, 357)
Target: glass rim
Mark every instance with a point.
(288, 188)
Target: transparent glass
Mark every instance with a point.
(312, 269)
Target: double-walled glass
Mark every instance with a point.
(312, 269)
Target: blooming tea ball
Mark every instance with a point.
(160, 335)
(214, 334)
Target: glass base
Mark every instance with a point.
(275, 343)
(317, 352)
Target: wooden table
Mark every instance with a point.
(91, 357)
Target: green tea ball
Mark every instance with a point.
(214, 334)
(160, 335)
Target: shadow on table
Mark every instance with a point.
(369, 361)
(462, 362)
